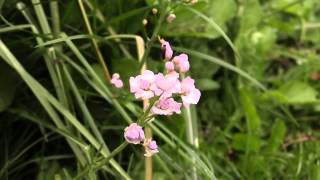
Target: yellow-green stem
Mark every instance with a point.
(94, 42)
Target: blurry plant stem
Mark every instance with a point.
(102, 161)
(192, 134)
(100, 17)
(163, 13)
(94, 42)
(146, 107)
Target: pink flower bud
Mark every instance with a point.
(116, 81)
(166, 50)
(182, 63)
(169, 66)
(171, 18)
(151, 147)
(134, 134)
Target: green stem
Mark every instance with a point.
(155, 33)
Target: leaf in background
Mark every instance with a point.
(299, 8)
(125, 67)
(207, 84)
(278, 133)
(249, 108)
(294, 92)
(246, 142)
(187, 24)
(298, 93)
(8, 81)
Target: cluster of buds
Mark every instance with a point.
(169, 91)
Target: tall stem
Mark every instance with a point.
(94, 42)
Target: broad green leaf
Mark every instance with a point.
(207, 84)
(295, 7)
(249, 108)
(293, 92)
(278, 133)
(246, 142)
(8, 83)
(184, 25)
(298, 93)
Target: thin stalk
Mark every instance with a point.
(102, 162)
(146, 107)
(83, 107)
(192, 134)
(155, 34)
(94, 42)
(100, 17)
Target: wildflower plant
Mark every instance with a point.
(167, 94)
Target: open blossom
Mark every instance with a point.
(166, 85)
(181, 63)
(134, 134)
(166, 106)
(189, 93)
(167, 51)
(116, 81)
(151, 147)
(141, 85)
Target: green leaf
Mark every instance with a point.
(184, 25)
(278, 133)
(294, 92)
(252, 117)
(298, 93)
(8, 81)
(207, 84)
(246, 142)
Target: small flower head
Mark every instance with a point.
(171, 17)
(167, 51)
(154, 11)
(134, 134)
(166, 106)
(141, 85)
(169, 66)
(144, 22)
(151, 147)
(116, 81)
(189, 93)
(181, 63)
(166, 85)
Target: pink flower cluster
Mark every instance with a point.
(168, 89)
(166, 86)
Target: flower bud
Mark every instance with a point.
(171, 17)
(134, 134)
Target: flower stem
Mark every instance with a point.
(94, 42)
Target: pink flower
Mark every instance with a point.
(169, 66)
(166, 49)
(134, 134)
(166, 106)
(141, 84)
(116, 81)
(166, 85)
(189, 93)
(181, 62)
(151, 147)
